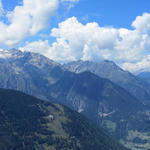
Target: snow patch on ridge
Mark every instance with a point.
(7, 54)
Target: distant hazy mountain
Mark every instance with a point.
(27, 123)
(144, 76)
(109, 70)
(99, 99)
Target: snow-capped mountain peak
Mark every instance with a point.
(17, 58)
(13, 53)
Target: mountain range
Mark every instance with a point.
(107, 100)
(109, 70)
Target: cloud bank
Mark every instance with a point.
(26, 20)
(74, 40)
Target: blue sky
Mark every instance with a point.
(114, 13)
(68, 30)
(117, 13)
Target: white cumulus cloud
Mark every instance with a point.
(92, 42)
(140, 66)
(142, 23)
(26, 20)
(37, 46)
(128, 48)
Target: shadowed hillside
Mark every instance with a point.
(27, 123)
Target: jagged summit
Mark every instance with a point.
(89, 61)
(28, 72)
(12, 53)
(25, 56)
(77, 66)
